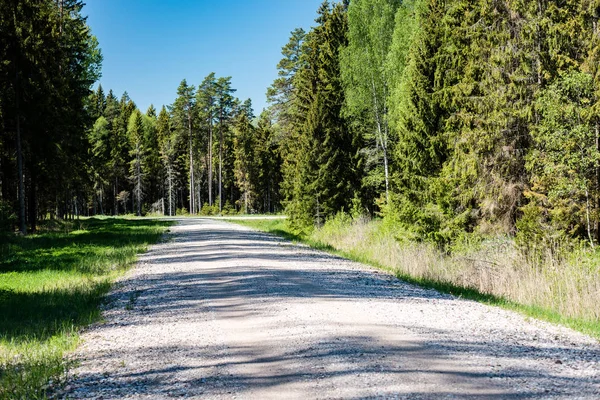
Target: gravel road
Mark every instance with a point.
(221, 311)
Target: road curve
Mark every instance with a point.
(221, 311)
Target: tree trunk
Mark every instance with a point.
(22, 225)
(191, 163)
(210, 166)
(220, 168)
(116, 198)
(32, 204)
(139, 186)
(170, 174)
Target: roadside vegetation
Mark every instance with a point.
(467, 131)
(560, 285)
(51, 285)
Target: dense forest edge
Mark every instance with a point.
(454, 142)
(449, 118)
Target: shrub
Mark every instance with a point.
(8, 218)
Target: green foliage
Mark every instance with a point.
(8, 219)
(207, 209)
(50, 59)
(228, 209)
(565, 158)
(320, 165)
(367, 82)
(43, 304)
(246, 175)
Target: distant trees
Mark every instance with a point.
(443, 117)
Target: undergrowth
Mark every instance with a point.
(51, 285)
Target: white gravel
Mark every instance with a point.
(221, 311)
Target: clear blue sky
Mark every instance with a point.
(149, 46)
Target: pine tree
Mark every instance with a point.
(268, 165)
(206, 99)
(420, 150)
(50, 60)
(224, 107)
(282, 91)
(99, 139)
(184, 114)
(167, 142)
(151, 160)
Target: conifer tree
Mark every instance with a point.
(167, 142)
(135, 132)
(184, 118)
(321, 168)
(207, 108)
(282, 91)
(268, 165)
(223, 113)
(245, 158)
(153, 170)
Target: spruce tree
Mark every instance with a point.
(135, 132)
(321, 168)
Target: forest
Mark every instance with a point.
(454, 144)
(443, 117)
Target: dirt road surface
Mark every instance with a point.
(223, 312)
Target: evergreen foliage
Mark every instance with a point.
(446, 117)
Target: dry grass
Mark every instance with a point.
(567, 285)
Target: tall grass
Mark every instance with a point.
(51, 285)
(558, 285)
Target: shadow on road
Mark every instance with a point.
(246, 274)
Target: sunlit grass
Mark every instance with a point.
(490, 270)
(51, 285)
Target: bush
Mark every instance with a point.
(209, 210)
(227, 209)
(8, 218)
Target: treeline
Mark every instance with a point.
(67, 151)
(445, 116)
(202, 154)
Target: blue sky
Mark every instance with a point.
(149, 46)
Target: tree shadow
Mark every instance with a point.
(245, 273)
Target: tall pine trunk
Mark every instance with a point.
(22, 224)
(210, 166)
(220, 168)
(191, 163)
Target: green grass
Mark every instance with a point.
(321, 241)
(51, 285)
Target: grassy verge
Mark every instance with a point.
(491, 270)
(51, 285)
